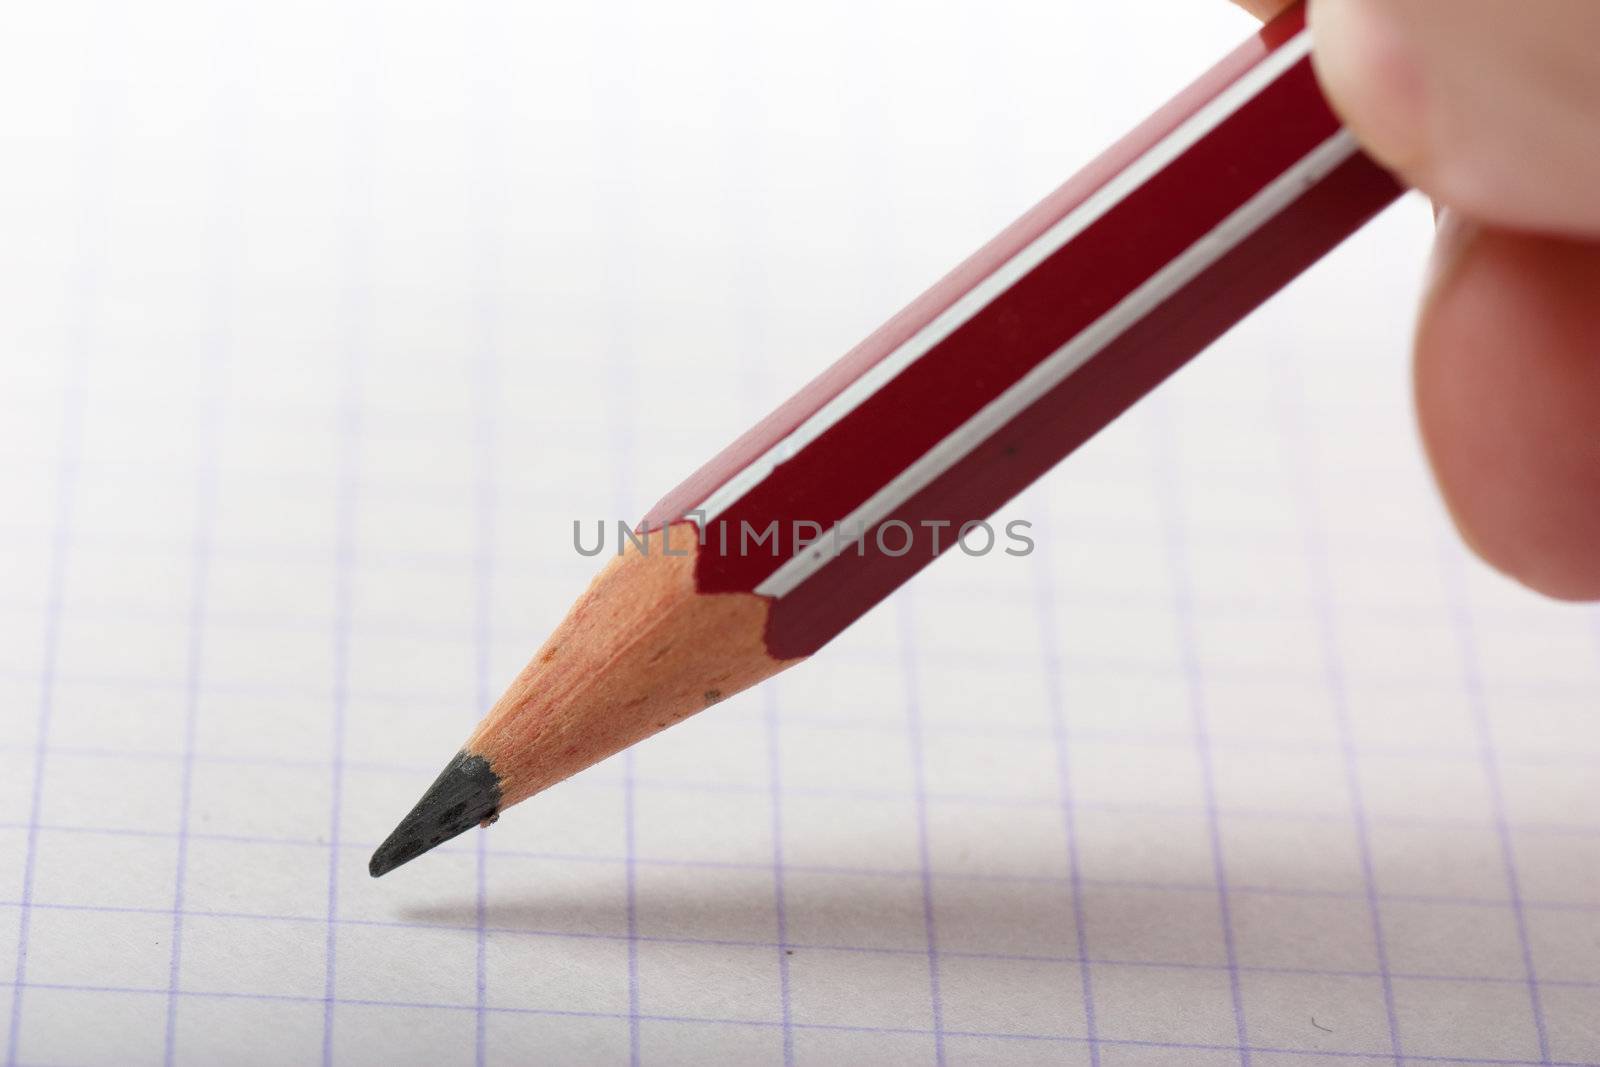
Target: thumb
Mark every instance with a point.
(1490, 107)
(1263, 9)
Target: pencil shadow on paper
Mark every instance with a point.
(1152, 919)
(1300, 927)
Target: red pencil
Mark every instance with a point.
(990, 378)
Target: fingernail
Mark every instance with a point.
(1365, 57)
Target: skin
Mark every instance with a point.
(1492, 108)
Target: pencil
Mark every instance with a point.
(989, 379)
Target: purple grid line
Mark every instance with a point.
(595, 780)
(216, 359)
(207, 441)
(296, 416)
(1050, 643)
(744, 161)
(97, 116)
(779, 902)
(623, 442)
(484, 423)
(630, 862)
(355, 313)
(1580, 907)
(616, 94)
(881, 244)
(748, 283)
(1111, 527)
(1114, 534)
(1306, 490)
(836, 1027)
(69, 445)
(823, 947)
(343, 595)
(1177, 556)
(908, 670)
(381, 558)
(1088, 664)
(1288, 606)
(1150, 739)
(488, 210)
(1461, 616)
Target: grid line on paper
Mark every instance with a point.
(207, 440)
(876, 232)
(913, 704)
(355, 313)
(1461, 617)
(99, 116)
(1098, 665)
(72, 417)
(1177, 557)
(1305, 489)
(340, 696)
(214, 365)
(1130, 737)
(483, 610)
(1132, 1043)
(618, 202)
(559, 935)
(286, 624)
(1050, 641)
(750, 288)
(630, 828)
(488, 270)
(1581, 907)
(1104, 531)
(624, 408)
(831, 948)
(780, 908)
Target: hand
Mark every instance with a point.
(1492, 108)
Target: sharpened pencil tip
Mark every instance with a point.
(466, 794)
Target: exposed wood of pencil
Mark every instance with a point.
(640, 650)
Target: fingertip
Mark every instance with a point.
(1263, 9)
(1486, 106)
(1508, 401)
(1365, 61)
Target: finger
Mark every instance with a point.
(1489, 106)
(1263, 9)
(1508, 400)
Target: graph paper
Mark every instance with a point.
(323, 324)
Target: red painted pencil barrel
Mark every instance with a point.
(1035, 343)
